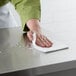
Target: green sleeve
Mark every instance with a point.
(28, 9)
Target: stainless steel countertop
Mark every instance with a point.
(62, 21)
(22, 57)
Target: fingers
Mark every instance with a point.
(43, 41)
(46, 41)
(39, 42)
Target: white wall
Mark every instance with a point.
(59, 10)
(59, 16)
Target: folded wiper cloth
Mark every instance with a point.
(57, 46)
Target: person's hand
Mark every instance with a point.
(41, 40)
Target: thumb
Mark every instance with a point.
(30, 35)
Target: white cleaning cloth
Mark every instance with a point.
(56, 46)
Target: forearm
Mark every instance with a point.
(34, 25)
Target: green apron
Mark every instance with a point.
(27, 9)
